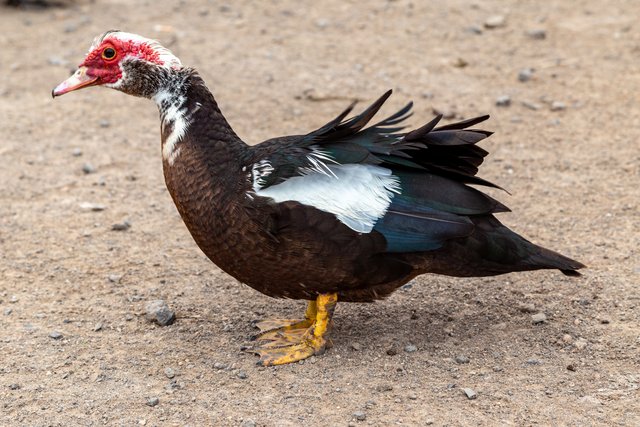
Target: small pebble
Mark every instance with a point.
(7, 311)
(392, 351)
(533, 362)
(525, 74)
(95, 207)
(248, 423)
(88, 168)
(571, 367)
(14, 386)
(169, 373)
(495, 21)
(159, 312)
(470, 393)
(76, 152)
(98, 327)
(220, 365)
(242, 375)
(537, 34)
(410, 348)
(460, 63)
(384, 387)
(567, 338)
(474, 29)
(55, 335)
(356, 346)
(527, 307)
(503, 101)
(114, 278)
(121, 226)
(460, 359)
(152, 401)
(105, 123)
(412, 396)
(530, 105)
(580, 344)
(558, 106)
(538, 318)
(360, 416)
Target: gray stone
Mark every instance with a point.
(474, 29)
(530, 105)
(558, 106)
(537, 34)
(55, 335)
(580, 344)
(88, 168)
(539, 318)
(170, 373)
(410, 348)
(470, 393)
(356, 346)
(360, 416)
(95, 207)
(527, 307)
(461, 359)
(76, 152)
(496, 21)
(159, 312)
(248, 423)
(121, 226)
(104, 123)
(152, 401)
(503, 101)
(242, 375)
(14, 386)
(525, 74)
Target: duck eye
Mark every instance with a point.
(109, 53)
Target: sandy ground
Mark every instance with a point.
(75, 348)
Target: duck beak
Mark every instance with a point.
(78, 80)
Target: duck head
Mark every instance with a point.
(127, 62)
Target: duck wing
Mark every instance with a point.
(408, 186)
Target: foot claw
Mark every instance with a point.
(283, 341)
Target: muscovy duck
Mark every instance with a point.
(345, 212)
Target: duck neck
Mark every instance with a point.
(190, 115)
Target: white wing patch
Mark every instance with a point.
(358, 195)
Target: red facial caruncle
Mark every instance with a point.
(103, 65)
(104, 61)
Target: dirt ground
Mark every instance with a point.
(75, 347)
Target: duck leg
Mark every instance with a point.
(288, 341)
